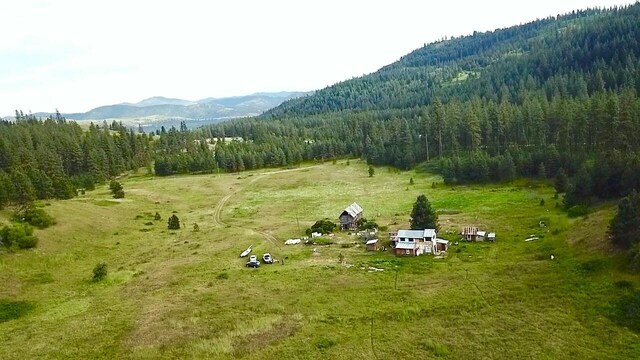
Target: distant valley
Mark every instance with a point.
(154, 112)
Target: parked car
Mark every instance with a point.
(253, 264)
(253, 258)
(267, 258)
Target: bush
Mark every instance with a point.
(19, 236)
(157, 216)
(364, 224)
(35, 217)
(100, 271)
(322, 226)
(578, 210)
(222, 276)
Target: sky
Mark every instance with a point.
(77, 55)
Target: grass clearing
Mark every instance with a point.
(185, 294)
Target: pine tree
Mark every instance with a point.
(542, 171)
(423, 216)
(116, 189)
(372, 171)
(561, 182)
(625, 226)
(173, 223)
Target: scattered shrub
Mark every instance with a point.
(149, 223)
(100, 271)
(324, 344)
(577, 211)
(222, 276)
(35, 217)
(626, 311)
(196, 228)
(10, 310)
(18, 236)
(541, 202)
(157, 217)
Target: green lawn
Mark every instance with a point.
(185, 294)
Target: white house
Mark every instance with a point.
(418, 242)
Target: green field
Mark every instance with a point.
(185, 294)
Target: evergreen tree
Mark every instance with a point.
(116, 189)
(423, 216)
(625, 226)
(542, 171)
(173, 223)
(372, 171)
(561, 182)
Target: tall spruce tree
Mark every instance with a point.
(423, 216)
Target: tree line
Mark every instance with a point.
(52, 158)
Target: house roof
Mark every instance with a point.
(482, 233)
(372, 241)
(417, 234)
(405, 245)
(353, 210)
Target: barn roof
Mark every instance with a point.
(353, 210)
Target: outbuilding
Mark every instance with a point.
(373, 245)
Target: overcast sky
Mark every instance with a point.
(76, 55)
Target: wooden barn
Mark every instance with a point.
(350, 216)
(470, 233)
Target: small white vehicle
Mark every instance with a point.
(253, 258)
(267, 259)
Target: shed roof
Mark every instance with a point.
(441, 241)
(491, 235)
(405, 245)
(372, 241)
(353, 210)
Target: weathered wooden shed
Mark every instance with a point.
(350, 216)
(373, 245)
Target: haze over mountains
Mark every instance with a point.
(159, 109)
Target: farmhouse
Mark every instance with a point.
(350, 216)
(417, 242)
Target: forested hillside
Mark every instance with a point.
(53, 158)
(558, 93)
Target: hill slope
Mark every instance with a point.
(593, 46)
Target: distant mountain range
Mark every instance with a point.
(160, 109)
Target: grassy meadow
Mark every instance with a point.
(186, 294)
